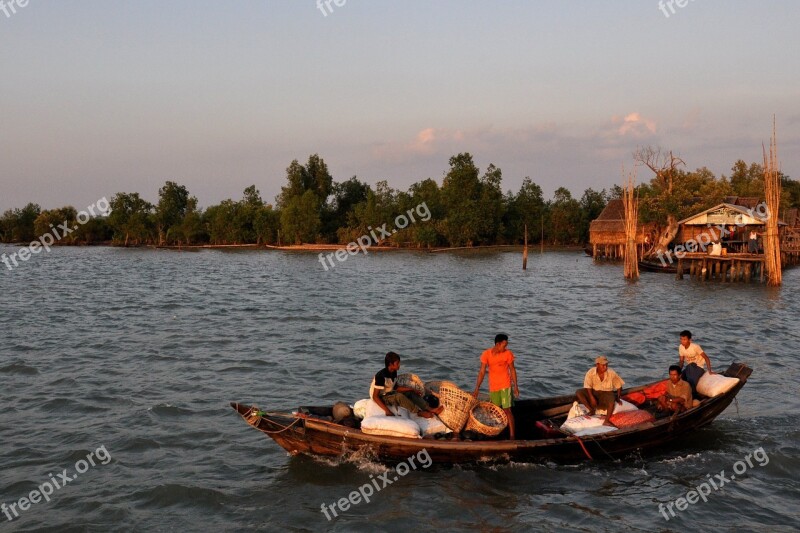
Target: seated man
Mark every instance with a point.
(678, 397)
(384, 393)
(598, 389)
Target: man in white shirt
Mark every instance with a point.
(690, 352)
(601, 386)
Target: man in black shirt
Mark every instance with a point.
(384, 392)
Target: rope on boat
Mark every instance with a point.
(584, 448)
(256, 420)
(296, 420)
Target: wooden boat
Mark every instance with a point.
(309, 432)
(653, 265)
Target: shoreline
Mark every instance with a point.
(322, 247)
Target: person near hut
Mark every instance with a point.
(678, 397)
(693, 361)
(602, 387)
(752, 242)
(502, 376)
(384, 392)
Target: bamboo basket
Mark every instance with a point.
(488, 419)
(412, 381)
(433, 387)
(457, 406)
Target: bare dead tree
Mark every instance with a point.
(664, 165)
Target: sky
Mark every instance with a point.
(105, 96)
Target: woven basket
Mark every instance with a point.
(412, 381)
(432, 387)
(457, 406)
(487, 418)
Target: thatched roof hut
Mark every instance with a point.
(609, 227)
(607, 231)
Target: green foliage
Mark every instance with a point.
(131, 219)
(95, 231)
(468, 209)
(49, 220)
(474, 206)
(565, 216)
(747, 180)
(314, 177)
(249, 221)
(303, 199)
(791, 193)
(526, 208)
(17, 225)
(427, 234)
(592, 204)
(173, 204)
(300, 218)
(692, 192)
(346, 196)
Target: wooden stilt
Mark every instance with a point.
(525, 252)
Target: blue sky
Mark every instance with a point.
(105, 96)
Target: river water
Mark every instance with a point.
(133, 355)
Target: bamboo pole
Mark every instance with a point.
(631, 203)
(772, 194)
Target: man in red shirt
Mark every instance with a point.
(502, 375)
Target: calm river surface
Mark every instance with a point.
(138, 352)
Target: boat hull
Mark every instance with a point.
(301, 434)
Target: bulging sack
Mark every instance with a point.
(630, 418)
(578, 409)
(598, 430)
(391, 426)
(624, 408)
(430, 426)
(715, 384)
(373, 409)
(578, 423)
(360, 408)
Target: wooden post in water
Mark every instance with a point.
(525, 251)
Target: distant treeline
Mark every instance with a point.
(467, 209)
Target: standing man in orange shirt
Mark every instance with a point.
(502, 375)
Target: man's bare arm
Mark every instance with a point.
(376, 397)
(481, 374)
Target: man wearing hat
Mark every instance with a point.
(599, 388)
